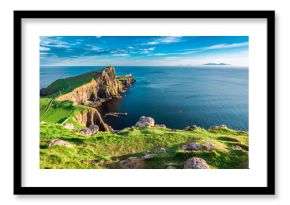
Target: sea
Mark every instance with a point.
(176, 96)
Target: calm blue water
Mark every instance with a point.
(174, 96)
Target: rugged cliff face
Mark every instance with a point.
(103, 87)
(90, 89)
(92, 116)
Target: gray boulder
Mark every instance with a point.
(69, 126)
(196, 163)
(60, 143)
(219, 127)
(93, 129)
(192, 146)
(207, 146)
(145, 122)
(192, 127)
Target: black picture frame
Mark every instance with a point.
(268, 190)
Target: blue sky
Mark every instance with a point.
(143, 50)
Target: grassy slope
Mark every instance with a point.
(62, 86)
(107, 149)
(59, 112)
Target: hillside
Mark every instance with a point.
(162, 146)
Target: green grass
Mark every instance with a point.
(105, 150)
(62, 86)
(58, 112)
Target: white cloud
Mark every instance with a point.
(143, 51)
(222, 46)
(121, 54)
(44, 48)
(44, 53)
(93, 48)
(47, 41)
(197, 50)
(165, 40)
(160, 54)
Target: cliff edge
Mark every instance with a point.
(91, 90)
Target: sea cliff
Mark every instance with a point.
(86, 93)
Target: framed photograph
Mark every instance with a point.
(144, 102)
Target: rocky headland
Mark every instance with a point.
(98, 87)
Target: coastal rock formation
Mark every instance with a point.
(91, 116)
(196, 163)
(104, 86)
(93, 129)
(207, 146)
(90, 89)
(192, 127)
(197, 146)
(60, 143)
(145, 122)
(69, 126)
(192, 146)
(219, 127)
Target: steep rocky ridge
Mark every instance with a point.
(91, 90)
(103, 87)
(92, 116)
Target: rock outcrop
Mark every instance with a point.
(103, 87)
(196, 163)
(191, 146)
(93, 129)
(160, 125)
(219, 127)
(192, 127)
(145, 122)
(91, 116)
(208, 146)
(69, 126)
(60, 143)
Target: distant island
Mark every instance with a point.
(75, 135)
(216, 64)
